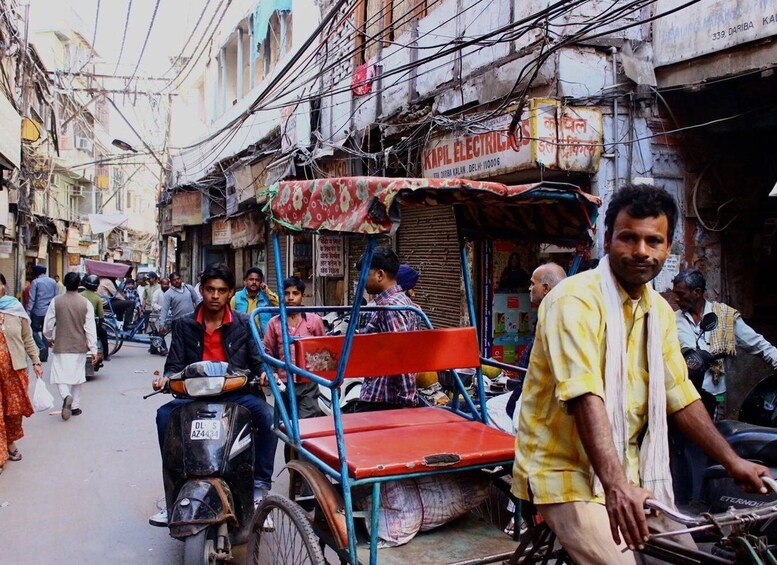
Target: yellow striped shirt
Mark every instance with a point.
(567, 361)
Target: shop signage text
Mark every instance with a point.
(550, 135)
(329, 254)
(245, 231)
(221, 232)
(710, 26)
(187, 209)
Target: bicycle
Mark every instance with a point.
(118, 335)
(730, 531)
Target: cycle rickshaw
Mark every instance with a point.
(343, 453)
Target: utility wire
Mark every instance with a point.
(188, 39)
(145, 41)
(124, 35)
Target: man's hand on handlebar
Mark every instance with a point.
(625, 505)
(747, 475)
(160, 383)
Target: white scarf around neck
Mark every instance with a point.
(654, 471)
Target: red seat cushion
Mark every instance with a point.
(410, 449)
(368, 421)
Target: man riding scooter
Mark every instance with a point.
(214, 332)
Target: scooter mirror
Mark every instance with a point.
(709, 322)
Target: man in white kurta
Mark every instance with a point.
(70, 324)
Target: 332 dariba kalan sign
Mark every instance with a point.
(549, 135)
(709, 26)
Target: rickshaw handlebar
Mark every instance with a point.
(730, 517)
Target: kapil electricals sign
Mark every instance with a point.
(549, 135)
(709, 26)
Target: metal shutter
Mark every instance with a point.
(8, 268)
(427, 240)
(271, 280)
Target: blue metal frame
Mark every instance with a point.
(290, 419)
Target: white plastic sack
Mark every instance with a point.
(41, 397)
(400, 513)
(408, 506)
(445, 498)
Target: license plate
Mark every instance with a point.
(206, 429)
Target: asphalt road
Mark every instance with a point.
(85, 488)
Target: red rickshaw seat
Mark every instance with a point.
(369, 421)
(406, 440)
(415, 448)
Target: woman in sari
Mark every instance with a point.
(15, 341)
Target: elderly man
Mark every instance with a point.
(148, 298)
(503, 409)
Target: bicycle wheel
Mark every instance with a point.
(281, 534)
(115, 341)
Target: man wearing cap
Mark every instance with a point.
(42, 292)
(407, 278)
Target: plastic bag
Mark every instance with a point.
(41, 397)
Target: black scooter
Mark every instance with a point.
(753, 437)
(208, 464)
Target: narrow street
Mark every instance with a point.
(86, 487)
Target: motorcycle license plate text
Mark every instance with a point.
(206, 429)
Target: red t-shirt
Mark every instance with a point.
(213, 349)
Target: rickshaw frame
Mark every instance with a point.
(287, 421)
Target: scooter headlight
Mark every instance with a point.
(204, 386)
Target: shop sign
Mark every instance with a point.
(270, 174)
(335, 168)
(6, 248)
(73, 239)
(43, 246)
(10, 133)
(549, 135)
(73, 260)
(60, 233)
(221, 234)
(330, 261)
(709, 26)
(244, 183)
(580, 139)
(166, 220)
(187, 209)
(246, 231)
(288, 127)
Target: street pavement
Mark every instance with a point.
(85, 488)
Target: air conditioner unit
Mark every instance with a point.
(77, 191)
(84, 144)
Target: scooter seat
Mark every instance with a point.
(751, 442)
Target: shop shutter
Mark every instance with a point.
(356, 246)
(8, 268)
(271, 276)
(427, 240)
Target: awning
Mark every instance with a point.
(102, 223)
(543, 211)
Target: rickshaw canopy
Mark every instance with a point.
(106, 269)
(549, 211)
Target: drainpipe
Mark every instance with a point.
(616, 154)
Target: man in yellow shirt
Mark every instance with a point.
(588, 392)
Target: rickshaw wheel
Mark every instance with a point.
(115, 340)
(281, 534)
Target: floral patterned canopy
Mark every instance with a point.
(371, 205)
